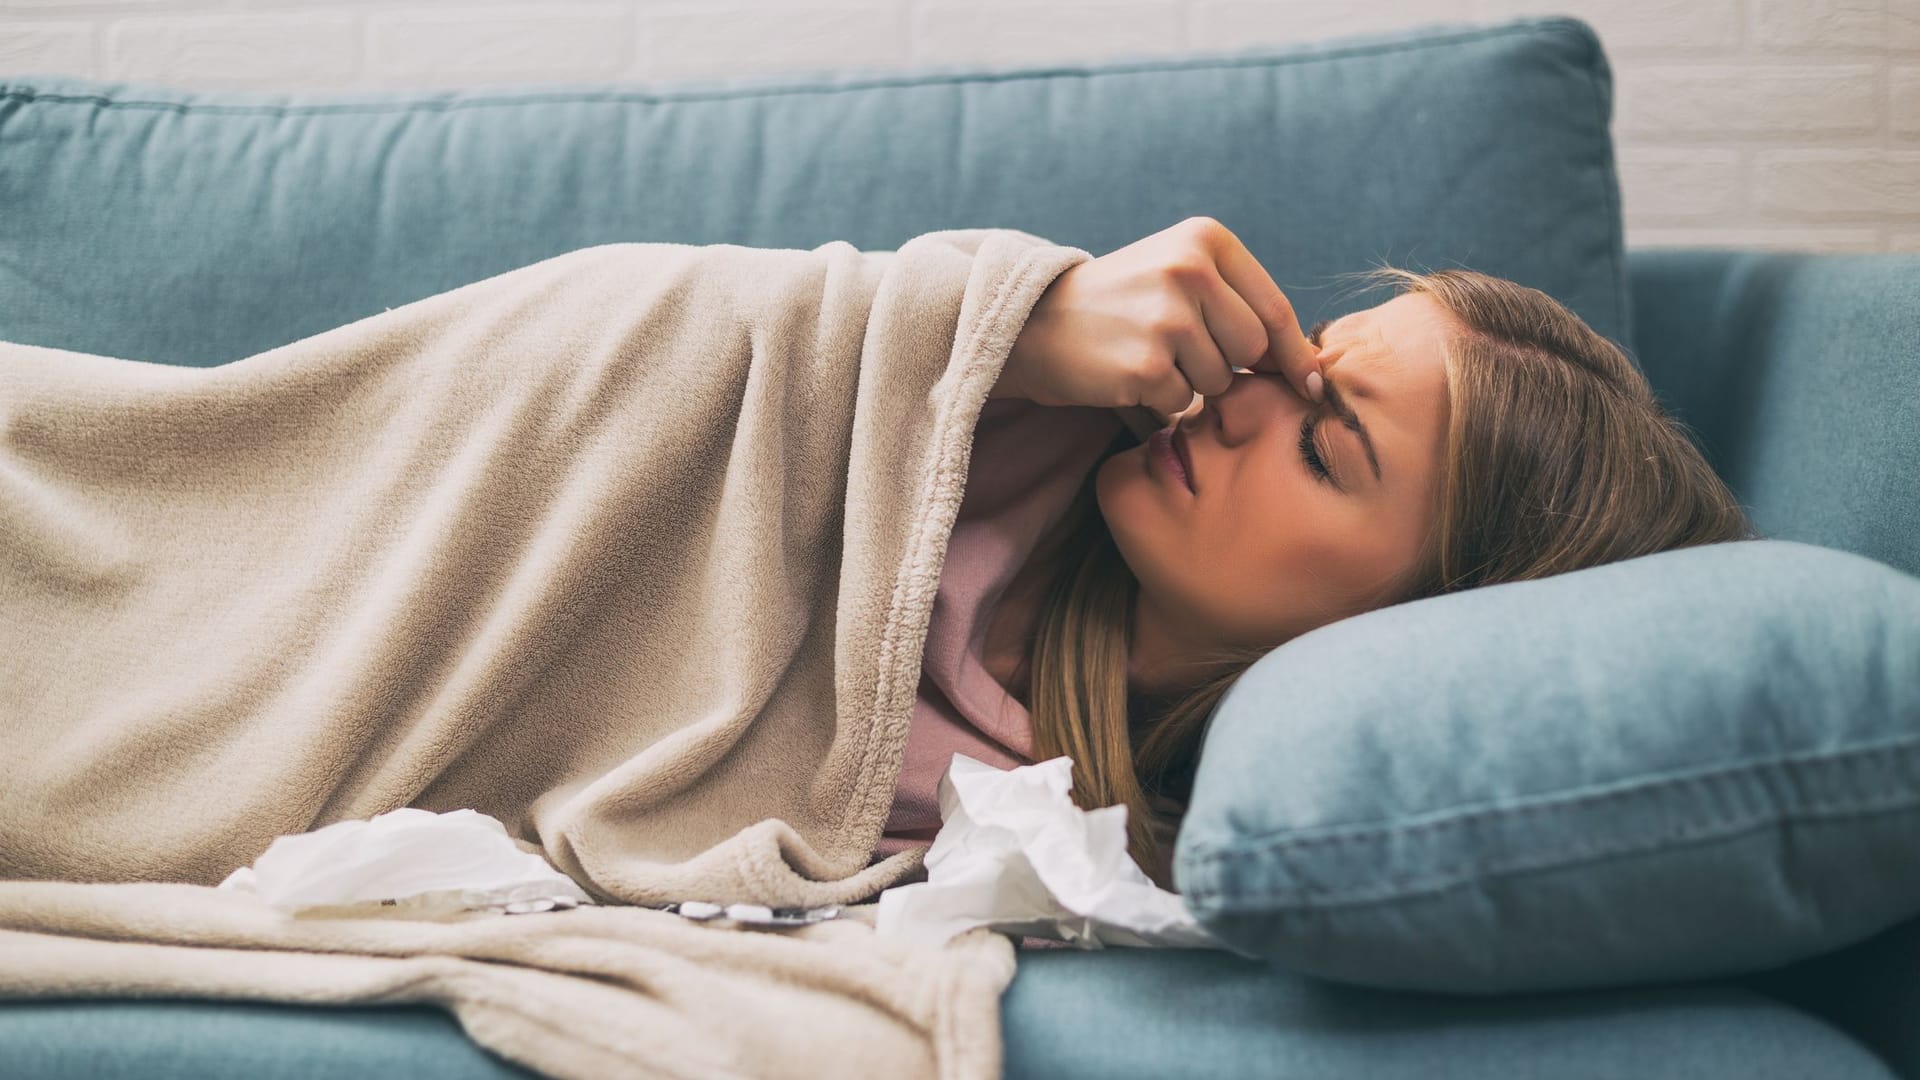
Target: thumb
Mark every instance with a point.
(1171, 399)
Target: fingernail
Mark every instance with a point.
(1315, 388)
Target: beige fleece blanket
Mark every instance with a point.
(632, 548)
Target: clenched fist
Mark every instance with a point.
(1156, 322)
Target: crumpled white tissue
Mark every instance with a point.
(1015, 854)
(408, 861)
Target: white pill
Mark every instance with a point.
(749, 912)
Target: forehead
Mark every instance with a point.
(1390, 350)
(1389, 362)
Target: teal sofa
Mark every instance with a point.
(188, 227)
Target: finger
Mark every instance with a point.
(1288, 353)
(1197, 354)
(1175, 418)
(1236, 333)
(1162, 386)
(1169, 396)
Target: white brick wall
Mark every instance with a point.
(1752, 123)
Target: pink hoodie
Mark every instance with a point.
(1028, 461)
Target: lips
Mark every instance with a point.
(1160, 450)
(1186, 456)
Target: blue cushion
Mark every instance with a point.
(1133, 1014)
(1697, 763)
(199, 226)
(177, 1039)
(1801, 375)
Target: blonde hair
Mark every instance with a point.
(1558, 457)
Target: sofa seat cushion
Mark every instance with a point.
(1117, 1014)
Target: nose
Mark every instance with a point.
(1253, 399)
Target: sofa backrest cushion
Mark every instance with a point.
(198, 227)
(1801, 375)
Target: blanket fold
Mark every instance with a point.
(633, 548)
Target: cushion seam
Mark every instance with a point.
(1372, 832)
(1422, 887)
(1553, 25)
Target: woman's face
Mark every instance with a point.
(1266, 549)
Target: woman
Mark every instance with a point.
(508, 548)
(1469, 431)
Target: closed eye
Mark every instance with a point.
(1310, 421)
(1311, 453)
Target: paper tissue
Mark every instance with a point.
(1015, 854)
(409, 863)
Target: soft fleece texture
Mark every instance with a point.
(632, 548)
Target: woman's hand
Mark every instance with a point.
(1155, 322)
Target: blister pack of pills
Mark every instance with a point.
(752, 916)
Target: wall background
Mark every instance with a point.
(1746, 123)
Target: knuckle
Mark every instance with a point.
(1280, 313)
(1167, 328)
(1201, 225)
(1187, 268)
(1168, 319)
(1149, 366)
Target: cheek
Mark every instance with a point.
(1277, 500)
(1295, 537)
(1152, 540)
(1346, 564)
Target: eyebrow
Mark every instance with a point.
(1344, 411)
